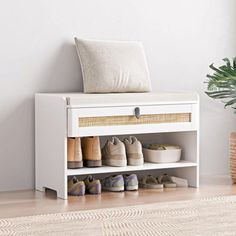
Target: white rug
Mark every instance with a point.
(211, 216)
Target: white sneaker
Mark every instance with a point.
(180, 182)
(133, 151)
(113, 153)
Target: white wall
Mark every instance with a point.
(37, 54)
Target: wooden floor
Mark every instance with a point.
(23, 203)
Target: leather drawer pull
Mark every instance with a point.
(137, 112)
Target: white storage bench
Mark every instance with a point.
(152, 117)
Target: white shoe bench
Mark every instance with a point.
(152, 117)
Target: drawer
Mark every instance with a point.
(130, 119)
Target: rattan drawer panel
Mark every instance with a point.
(132, 120)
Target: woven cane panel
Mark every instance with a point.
(233, 156)
(132, 120)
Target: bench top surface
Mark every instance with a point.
(125, 99)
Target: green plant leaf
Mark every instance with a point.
(221, 84)
(227, 62)
(217, 70)
(234, 62)
(230, 71)
(230, 102)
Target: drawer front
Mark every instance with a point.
(125, 120)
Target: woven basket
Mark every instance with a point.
(233, 156)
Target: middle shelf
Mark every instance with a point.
(146, 166)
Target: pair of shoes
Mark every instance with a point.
(162, 181)
(114, 152)
(118, 183)
(88, 185)
(83, 151)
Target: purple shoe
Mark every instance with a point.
(131, 182)
(113, 183)
(93, 186)
(76, 187)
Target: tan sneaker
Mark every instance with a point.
(133, 151)
(74, 153)
(166, 180)
(91, 151)
(151, 182)
(113, 153)
(76, 187)
(93, 186)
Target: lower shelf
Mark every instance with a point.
(146, 166)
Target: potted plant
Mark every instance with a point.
(222, 85)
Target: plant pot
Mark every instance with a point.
(233, 156)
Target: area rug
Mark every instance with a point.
(211, 216)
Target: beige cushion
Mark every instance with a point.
(113, 66)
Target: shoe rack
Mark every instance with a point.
(152, 117)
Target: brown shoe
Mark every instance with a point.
(91, 151)
(74, 153)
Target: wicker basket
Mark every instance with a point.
(233, 156)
